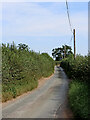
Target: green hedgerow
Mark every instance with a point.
(21, 69)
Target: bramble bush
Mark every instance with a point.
(21, 69)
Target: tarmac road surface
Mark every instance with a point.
(44, 102)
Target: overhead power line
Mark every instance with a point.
(70, 40)
(72, 30)
(68, 16)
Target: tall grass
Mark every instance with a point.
(21, 69)
(78, 98)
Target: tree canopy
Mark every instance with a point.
(23, 46)
(62, 52)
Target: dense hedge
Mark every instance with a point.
(78, 71)
(78, 68)
(21, 69)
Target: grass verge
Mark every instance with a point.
(78, 99)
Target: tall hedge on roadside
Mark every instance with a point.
(21, 69)
(78, 68)
(78, 71)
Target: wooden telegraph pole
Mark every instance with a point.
(74, 44)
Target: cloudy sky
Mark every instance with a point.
(44, 25)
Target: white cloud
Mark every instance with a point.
(33, 20)
(36, 20)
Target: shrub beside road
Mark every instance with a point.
(21, 69)
(78, 71)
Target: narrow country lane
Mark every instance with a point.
(44, 102)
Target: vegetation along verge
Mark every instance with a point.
(78, 71)
(21, 69)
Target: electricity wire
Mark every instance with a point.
(68, 16)
(70, 40)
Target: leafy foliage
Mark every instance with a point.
(21, 69)
(78, 71)
(78, 68)
(60, 53)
